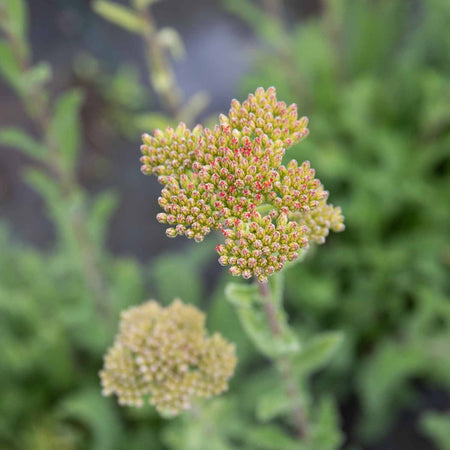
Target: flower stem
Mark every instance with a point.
(284, 364)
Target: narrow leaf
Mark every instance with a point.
(119, 15)
(104, 206)
(272, 404)
(17, 17)
(317, 353)
(9, 66)
(19, 139)
(65, 125)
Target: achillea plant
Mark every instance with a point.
(165, 354)
(232, 179)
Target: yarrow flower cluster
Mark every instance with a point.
(165, 354)
(232, 179)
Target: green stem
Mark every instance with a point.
(284, 364)
(161, 73)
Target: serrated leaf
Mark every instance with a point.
(120, 15)
(65, 125)
(21, 140)
(317, 353)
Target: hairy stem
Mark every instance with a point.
(284, 364)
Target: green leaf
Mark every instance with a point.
(17, 17)
(96, 414)
(36, 76)
(119, 15)
(240, 294)
(45, 185)
(270, 437)
(65, 125)
(140, 4)
(437, 426)
(100, 214)
(253, 316)
(317, 352)
(9, 66)
(272, 404)
(19, 139)
(325, 431)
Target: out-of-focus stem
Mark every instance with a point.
(161, 73)
(274, 9)
(284, 365)
(40, 114)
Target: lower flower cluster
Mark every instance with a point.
(166, 356)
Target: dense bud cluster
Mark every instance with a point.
(166, 355)
(231, 178)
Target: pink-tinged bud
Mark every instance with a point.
(223, 260)
(235, 271)
(246, 274)
(171, 232)
(161, 218)
(198, 238)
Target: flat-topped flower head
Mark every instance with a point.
(231, 178)
(166, 356)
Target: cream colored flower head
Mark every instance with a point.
(232, 179)
(166, 356)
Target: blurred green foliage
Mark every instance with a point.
(374, 78)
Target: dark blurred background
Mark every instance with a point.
(374, 79)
